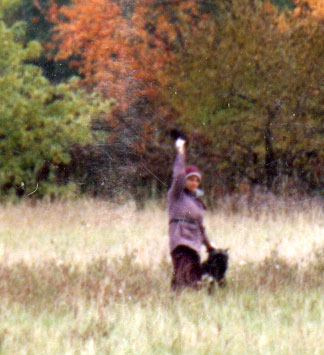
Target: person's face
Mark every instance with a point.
(192, 183)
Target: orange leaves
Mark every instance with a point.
(52, 13)
(268, 7)
(282, 24)
(122, 52)
(312, 8)
(317, 8)
(35, 20)
(95, 31)
(86, 22)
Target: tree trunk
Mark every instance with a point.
(271, 168)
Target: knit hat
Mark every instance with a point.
(192, 170)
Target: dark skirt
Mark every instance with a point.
(186, 268)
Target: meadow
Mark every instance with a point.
(93, 277)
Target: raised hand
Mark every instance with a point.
(180, 145)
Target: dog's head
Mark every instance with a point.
(217, 263)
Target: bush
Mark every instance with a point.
(39, 122)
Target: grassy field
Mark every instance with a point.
(90, 277)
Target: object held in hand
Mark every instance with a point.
(180, 144)
(176, 133)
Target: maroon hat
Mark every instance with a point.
(192, 170)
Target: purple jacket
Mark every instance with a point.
(185, 212)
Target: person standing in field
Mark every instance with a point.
(186, 230)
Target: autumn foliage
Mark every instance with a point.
(122, 49)
(314, 8)
(243, 78)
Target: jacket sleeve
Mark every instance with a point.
(178, 177)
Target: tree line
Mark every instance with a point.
(90, 90)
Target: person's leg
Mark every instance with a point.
(186, 268)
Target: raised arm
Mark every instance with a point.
(179, 174)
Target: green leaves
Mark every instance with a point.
(38, 121)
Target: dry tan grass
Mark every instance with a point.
(65, 288)
(84, 230)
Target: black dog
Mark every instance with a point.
(214, 268)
